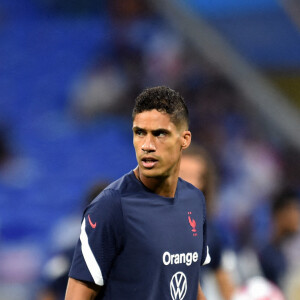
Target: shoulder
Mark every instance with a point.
(192, 196)
(187, 187)
(110, 199)
(107, 202)
(104, 216)
(126, 184)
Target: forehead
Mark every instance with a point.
(153, 119)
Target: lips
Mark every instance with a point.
(149, 162)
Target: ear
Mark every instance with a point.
(186, 139)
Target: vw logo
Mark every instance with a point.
(178, 286)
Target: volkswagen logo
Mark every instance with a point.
(178, 286)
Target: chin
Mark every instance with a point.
(151, 173)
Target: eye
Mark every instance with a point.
(160, 133)
(139, 132)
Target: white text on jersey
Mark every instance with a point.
(181, 258)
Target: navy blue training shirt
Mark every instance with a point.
(140, 245)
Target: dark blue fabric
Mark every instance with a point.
(273, 263)
(215, 245)
(141, 240)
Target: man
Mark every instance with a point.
(285, 214)
(198, 168)
(144, 236)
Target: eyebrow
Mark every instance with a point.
(156, 131)
(135, 128)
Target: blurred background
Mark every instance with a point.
(69, 73)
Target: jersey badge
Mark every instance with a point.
(192, 224)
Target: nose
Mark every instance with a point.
(148, 145)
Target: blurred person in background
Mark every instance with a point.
(4, 151)
(198, 168)
(285, 214)
(115, 74)
(16, 169)
(55, 272)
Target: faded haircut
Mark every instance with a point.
(163, 99)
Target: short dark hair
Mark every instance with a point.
(163, 99)
(284, 198)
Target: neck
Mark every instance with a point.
(163, 186)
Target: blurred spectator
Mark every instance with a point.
(258, 288)
(4, 150)
(56, 270)
(16, 170)
(252, 173)
(126, 11)
(285, 212)
(116, 73)
(197, 168)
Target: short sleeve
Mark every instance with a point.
(214, 241)
(205, 258)
(101, 239)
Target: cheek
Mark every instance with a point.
(136, 143)
(172, 153)
(137, 151)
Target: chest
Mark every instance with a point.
(169, 233)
